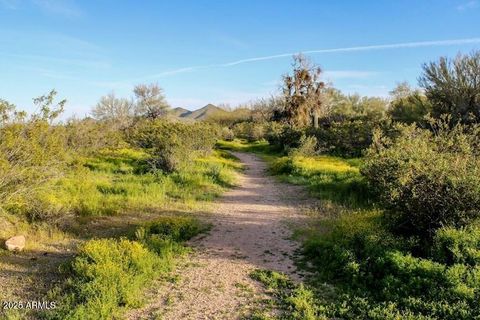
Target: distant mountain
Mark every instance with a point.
(199, 114)
(180, 112)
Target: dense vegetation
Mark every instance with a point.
(110, 274)
(56, 176)
(396, 235)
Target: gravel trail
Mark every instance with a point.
(249, 232)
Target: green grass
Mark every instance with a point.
(117, 181)
(245, 146)
(109, 275)
(328, 178)
(360, 269)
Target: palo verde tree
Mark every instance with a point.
(453, 87)
(117, 111)
(150, 101)
(408, 105)
(302, 94)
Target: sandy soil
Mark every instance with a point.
(249, 232)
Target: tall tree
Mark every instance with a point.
(303, 94)
(453, 87)
(150, 101)
(119, 111)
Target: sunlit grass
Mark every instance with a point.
(117, 181)
(245, 146)
(324, 164)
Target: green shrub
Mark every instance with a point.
(377, 277)
(252, 131)
(175, 228)
(307, 147)
(108, 274)
(426, 179)
(452, 245)
(346, 137)
(288, 139)
(173, 145)
(273, 132)
(32, 155)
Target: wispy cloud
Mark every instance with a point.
(468, 5)
(66, 8)
(417, 44)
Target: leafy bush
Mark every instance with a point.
(348, 137)
(288, 138)
(175, 228)
(412, 108)
(452, 246)
(377, 277)
(173, 144)
(108, 274)
(252, 131)
(307, 147)
(452, 87)
(427, 179)
(227, 134)
(273, 132)
(32, 153)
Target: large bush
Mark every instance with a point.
(173, 144)
(377, 276)
(452, 87)
(427, 179)
(32, 153)
(346, 137)
(108, 274)
(252, 131)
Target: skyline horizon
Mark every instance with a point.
(219, 53)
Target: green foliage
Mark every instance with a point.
(230, 118)
(114, 181)
(173, 145)
(286, 139)
(261, 147)
(307, 147)
(106, 274)
(409, 109)
(175, 228)
(452, 246)
(377, 277)
(252, 131)
(347, 137)
(327, 177)
(426, 179)
(88, 136)
(452, 87)
(294, 301)
(109, 274)
(32, 153)
(355, 106)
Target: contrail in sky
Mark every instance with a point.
(418, 44)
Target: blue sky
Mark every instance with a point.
(207, 51)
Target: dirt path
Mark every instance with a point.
(248, 232)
